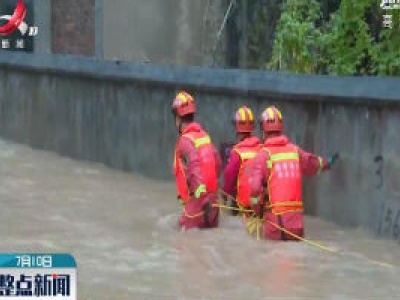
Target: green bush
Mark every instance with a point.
(344, 45)
(348, 44)
(296, 40)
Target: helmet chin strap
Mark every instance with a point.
(180, 125)
(179, 122)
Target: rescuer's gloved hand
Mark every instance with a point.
(180, 200)
(333, 159)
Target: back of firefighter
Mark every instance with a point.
(278, 171)
(236, 186)
(196, 167)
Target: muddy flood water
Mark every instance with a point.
(121, 229)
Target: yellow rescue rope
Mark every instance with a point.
(255, 224)
(302, 239)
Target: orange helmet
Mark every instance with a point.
(271, 120)
(244, 120)
(183, 104)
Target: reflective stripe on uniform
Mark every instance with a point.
(247, 155)
(242, 114)
(250, 115)
(200, 190)
(298, 210)
(202, 141)
(279, 114)
(282, 156)
(287, 203)
(198, 141)
(270, 113)
(254, 200)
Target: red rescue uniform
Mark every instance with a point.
(239, 170)
(278, 170)
(196, 168)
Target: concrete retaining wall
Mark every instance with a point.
(178, 32)
(119, 114)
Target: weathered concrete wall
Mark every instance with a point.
(119, 114)
(73, 27)
(180, 32)
(43, 18)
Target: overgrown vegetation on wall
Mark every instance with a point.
(348, 41)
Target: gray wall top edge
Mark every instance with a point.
(243, 82)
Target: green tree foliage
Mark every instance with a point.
(349, 43)
(296, 40)
(348, 46)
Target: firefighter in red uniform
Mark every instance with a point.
(278, 169)
(236, 187)
(196, 167)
